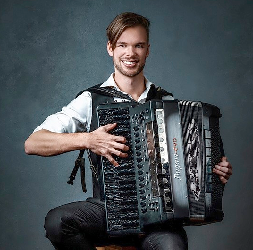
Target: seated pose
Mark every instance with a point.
(82, 225)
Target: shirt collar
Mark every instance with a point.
(111, 83)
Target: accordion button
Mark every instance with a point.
(160, 130)
(143, 197)
(141, 185)
(138, 153)
(142, 191)
(140, 172)
(161, 139)
(140, 166)
(167, 193)
(159, 121)
(137, 140)
(141, 178)
(139, 159)
(143, 204)
(168, 204)
(136, 128)
(144, 210)
(208, 143)
(136, 134)
(208, 152)
(207, 134)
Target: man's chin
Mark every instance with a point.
(129, 72)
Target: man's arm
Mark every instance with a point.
(46, 143)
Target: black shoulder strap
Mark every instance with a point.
(157, 93)
(107, 91)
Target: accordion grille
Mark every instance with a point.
(119, 182)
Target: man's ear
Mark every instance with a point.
(109, 48)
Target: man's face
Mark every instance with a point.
(130, 52)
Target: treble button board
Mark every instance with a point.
(165, 183)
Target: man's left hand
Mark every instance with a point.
(223, 169)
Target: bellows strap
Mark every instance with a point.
(79, 163)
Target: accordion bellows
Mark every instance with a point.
(167, 176)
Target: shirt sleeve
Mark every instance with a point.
(75, 117)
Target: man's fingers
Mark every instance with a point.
(116, 138)
(225, 170)
(224, 158)
(223, 179)
(105, 144)
(112, 160)
(121, 146)
(219, 172)
(109, 127)
(225, 164)
(119, 153)
(224, 176)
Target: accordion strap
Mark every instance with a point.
(110, 91)
(79, 163)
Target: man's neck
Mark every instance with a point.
(134, 86)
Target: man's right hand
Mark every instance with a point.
(103, 143)
(99, 141)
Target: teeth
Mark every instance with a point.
(128, 63)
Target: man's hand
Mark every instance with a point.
(224, 170)
(105, 144)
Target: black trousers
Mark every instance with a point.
(82, 225)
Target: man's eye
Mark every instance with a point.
(139, 46)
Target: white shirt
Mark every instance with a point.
(76, 116)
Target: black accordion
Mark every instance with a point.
(174, 146)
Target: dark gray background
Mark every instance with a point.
(50, 50)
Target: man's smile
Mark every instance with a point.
(129, 63)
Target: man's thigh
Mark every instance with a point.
(83, 217)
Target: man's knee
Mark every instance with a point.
(71, 219)
(58, 225)
(166, 240)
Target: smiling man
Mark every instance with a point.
(82, 225)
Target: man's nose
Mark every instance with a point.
(131, 51)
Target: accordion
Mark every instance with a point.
(174, 146)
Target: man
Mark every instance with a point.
(81, 225)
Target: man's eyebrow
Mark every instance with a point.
(142, 43)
